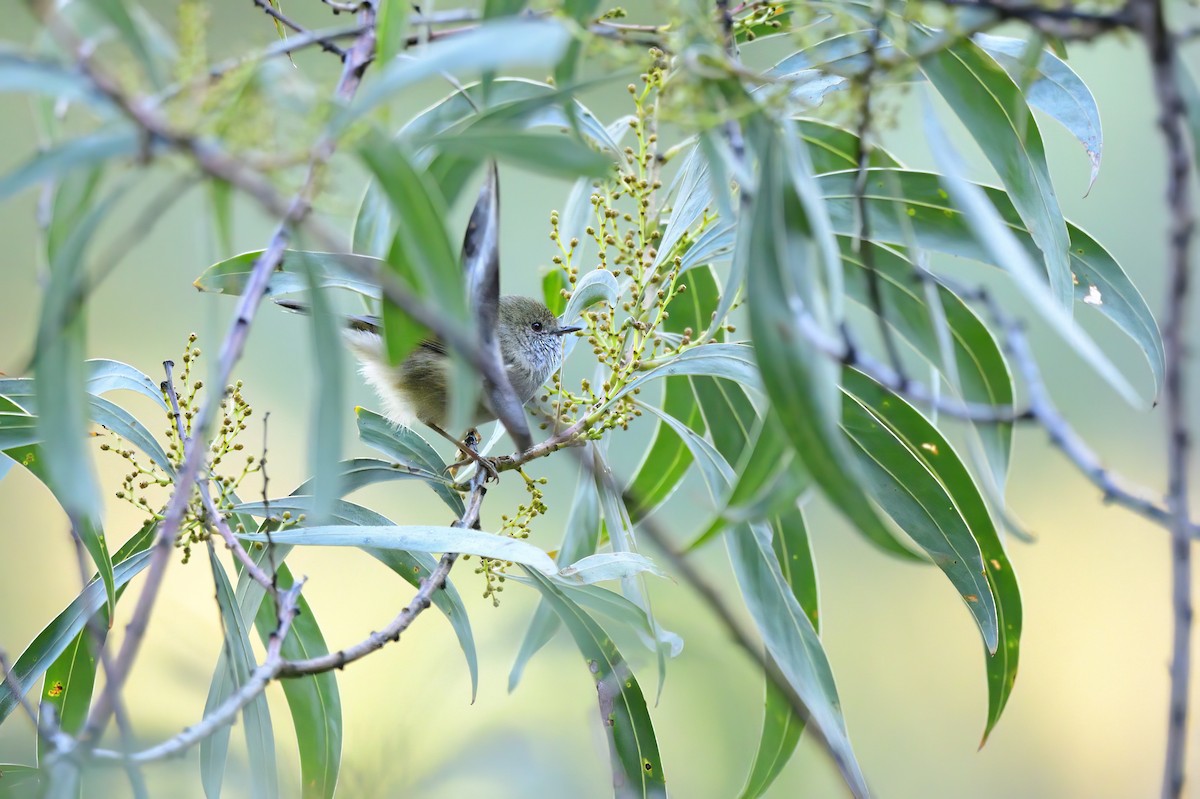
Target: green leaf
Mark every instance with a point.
(500, 44)
(20, 782)
(355, 473)
(18, 430)
(413, 567)
(313, 699)
(909, 206)
(637, 767)
(554, 283)
(800, 382)
(730, 361)
(598, 285)
(234, 668)
(979, 370)
(935, 455)
(792, 641)
(667, 459)
(1055, 90)
(899, 481)
(61, 392)
(373, 226)
(581, 538)
(332, 270)
(52, 163)
(620, 536)
(833, 149)
(71, 678)
(391, 29)
(326, 446)
(548, 153)
(992, 108)
(57, 636)
(22, 73)
(421, 256)
(411, 450)
(431, 538)
(988, 227)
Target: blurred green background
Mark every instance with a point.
(1088, 714)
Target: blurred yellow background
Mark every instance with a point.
(1088, 714)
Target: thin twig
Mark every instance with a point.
(284, 20)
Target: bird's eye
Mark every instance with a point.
(537, 327)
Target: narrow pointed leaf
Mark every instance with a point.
(238, 662)
(909, 205)
(936, 455)
(410, 449)
(332, 270)
(624, 717)
(580, 540)
(315, 704)
(992, 108)
(413, 567)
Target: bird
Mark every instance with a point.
(417, 390)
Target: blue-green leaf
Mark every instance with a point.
(909, 206)
(992, 108)
(637, 767)
(580, 540)
(237, 663)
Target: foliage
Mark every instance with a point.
(752, 272)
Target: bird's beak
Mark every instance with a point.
(562, 331)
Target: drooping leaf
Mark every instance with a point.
(912, 206)
(580, 540)
(54, 639)
(333, 270)
(71, 678)
(61, 392)
(131, 34)
(992, 108)
(501, 44)
(326, 426)
(800, 382)
(781, 726)
(899, 481)
(978, 371)
(313, 699)
(407, 447)
(624, 717)
(935, 454)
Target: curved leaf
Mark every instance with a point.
(411, 450)
(637, 767)
(979, 370)
(236, 664)
(332, 270)
(581, 538)
(54, 639)
(912, 206)
(800, 382)
(992, 108)
(935, 454)
(907, 491)
(504, 43)
(413, 567)
(313, 700)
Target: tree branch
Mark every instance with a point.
(357, 59)
(1160, 45)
